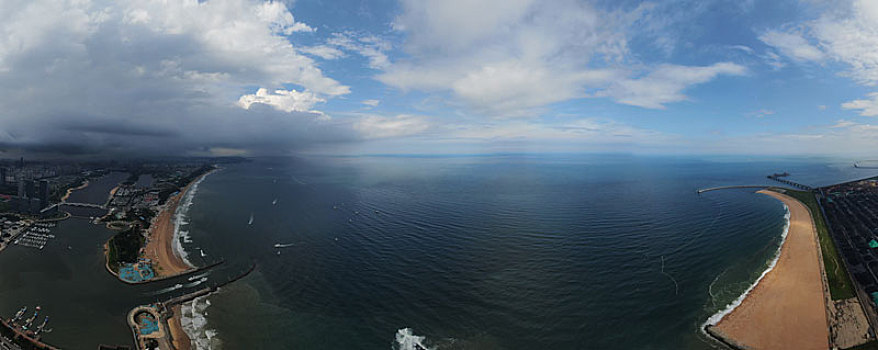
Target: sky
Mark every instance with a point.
(248, 77)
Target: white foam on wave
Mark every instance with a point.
(406, 340)
(194, 322)
(713, 320)
(181, 218)
(168, 289)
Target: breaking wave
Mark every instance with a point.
(713, 320)
(194, 322)
(406, 340)
(181, 218)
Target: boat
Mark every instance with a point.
(19, 314)
(30, 321)
(283, 245)
(251, 219)
(42, 328)
(274, 201)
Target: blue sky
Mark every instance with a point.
(440, 76)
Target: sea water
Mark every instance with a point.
(490, 252)
(450, 252)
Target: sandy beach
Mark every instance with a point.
(180, 338)
(70, 191)
(787, 309)
(160, 248)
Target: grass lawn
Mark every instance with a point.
(840, 285)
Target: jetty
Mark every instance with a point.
(717, 188)
(149, 323)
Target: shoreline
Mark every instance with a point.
(163, 245)
(720, 315)
(70, 190)
(179, 338)
(786, 306)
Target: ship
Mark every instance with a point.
(251, 219)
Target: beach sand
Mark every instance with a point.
(180, 338)
(787, 309)
(70, 191)
(160, 248)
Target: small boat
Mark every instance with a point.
(30, 321)
(278, 252)
(42, 328)
(284, 245)
(202, 253)
(274, 201)
(251, 219)
(19, 314)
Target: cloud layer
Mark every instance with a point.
(152, 76)
(508, 58)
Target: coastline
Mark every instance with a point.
(180, 339)
(70, 190)
(163, 245)
(785, 307)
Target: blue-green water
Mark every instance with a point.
(476, 252)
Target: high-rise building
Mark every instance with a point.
(44, 194)
(30, 189)
(21, 193)
(2, 176)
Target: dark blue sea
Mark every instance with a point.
(488, 252)
(456, 252)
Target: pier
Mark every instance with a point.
(797, 185)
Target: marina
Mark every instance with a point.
(36, 236)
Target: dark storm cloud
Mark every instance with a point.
(141, 77)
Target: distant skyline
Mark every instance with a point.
(240, 77)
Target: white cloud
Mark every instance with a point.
(846, 32)
(667, 83)
(844, 137)
(762, 113)
(282, 100)
(582, 130)
(867, 107)
(323, 51)
(793, 45)
(371, 103)
(369, 46)
(375, 126)
(851, 36)
(509, 58)
(135, 75)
